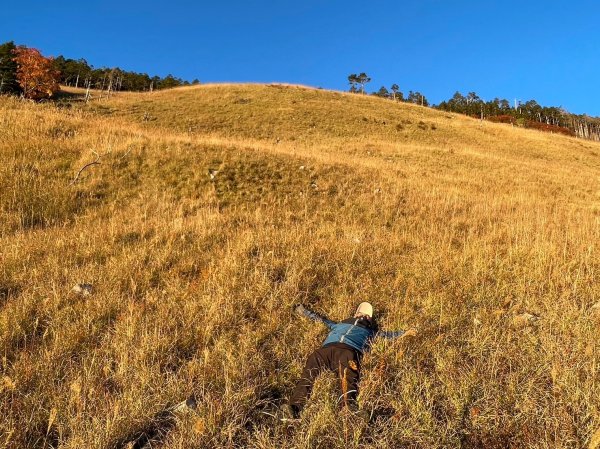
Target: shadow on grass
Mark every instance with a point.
(64, 95)
(8, 291)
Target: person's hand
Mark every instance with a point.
(412, 332)
(299, 309)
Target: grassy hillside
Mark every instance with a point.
(458, 227)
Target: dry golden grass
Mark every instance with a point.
(442, 222)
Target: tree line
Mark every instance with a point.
(22, 67)
(78, 73)
(528, 114)
(359, 81)
(25, 71)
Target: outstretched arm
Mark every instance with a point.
(301, 310)
(392, 335)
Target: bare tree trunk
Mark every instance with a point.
(77, 81)
(87, 92)
(111, 81)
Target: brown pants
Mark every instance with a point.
(338, 358)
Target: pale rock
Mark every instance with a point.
(189, 405)
(83, 289)
(524, 319)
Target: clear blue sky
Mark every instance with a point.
(545, 50)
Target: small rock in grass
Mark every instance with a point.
(524, 319)
(185, 406)
(83, 289)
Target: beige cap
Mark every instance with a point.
(364, 308)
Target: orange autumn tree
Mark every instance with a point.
(35, 73)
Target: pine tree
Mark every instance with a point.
(363, 79)
(395, 89)
(353, 81)
(417, 98)
(8, 70)
(382, 92)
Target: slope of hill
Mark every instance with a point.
(211, 210)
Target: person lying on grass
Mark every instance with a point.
(340, 353)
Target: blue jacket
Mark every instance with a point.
(358, 333)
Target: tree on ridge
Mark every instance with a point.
(395, 89)
(353, 81)
(35, 73)
(363, 79)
